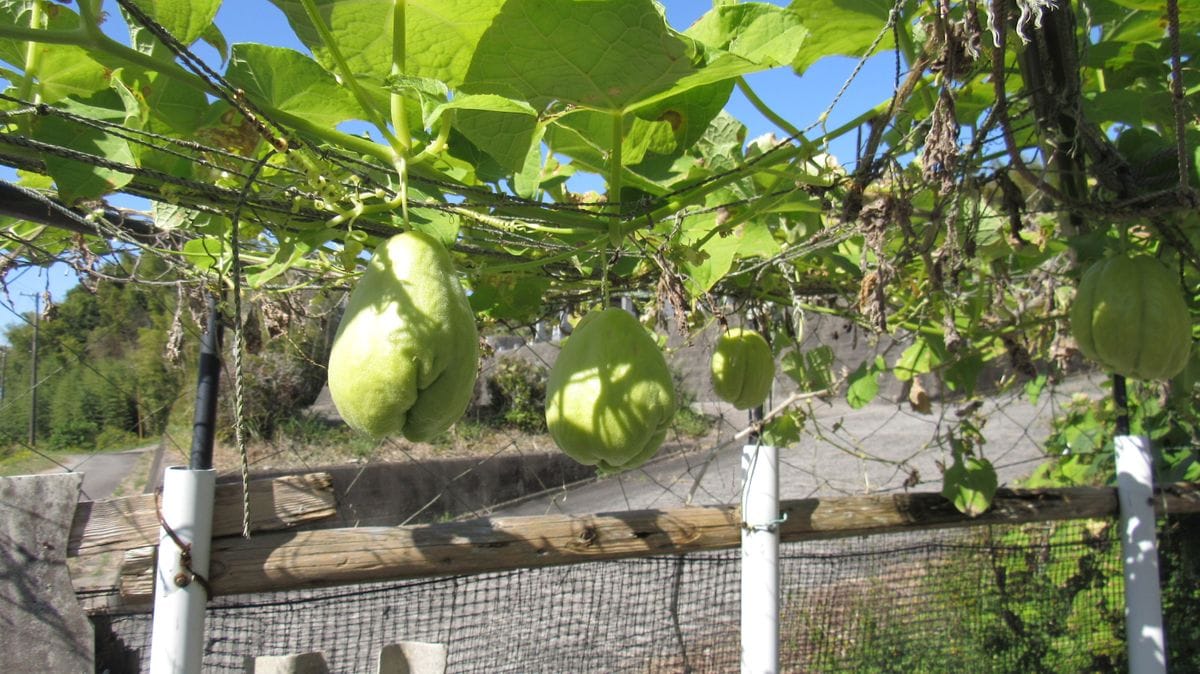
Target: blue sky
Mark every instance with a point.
(800, 100)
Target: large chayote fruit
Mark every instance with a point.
(743, 368)
(1130, 316)
(610, 398)
(406, 353)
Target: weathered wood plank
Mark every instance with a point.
(343, 556)
(125, 523)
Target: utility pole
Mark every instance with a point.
(33, 372)
(3, 372)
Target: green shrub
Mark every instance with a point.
(517, 390)
(74, 433)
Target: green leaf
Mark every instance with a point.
(812, 370)
(206, 253)
(597, 55)
(509, 296)
(529, 178)
(64, 70)
(712, 260)
(1034, 388)
(922, 356)
(291, 82)
(784, 429)
(970, 484)
(502, 127)
(440, 35)
(841, 28)
(287, 252)
(216, 39)
(82, 179)
(864, 382)
(438, 224)
(758, 32)
(185, 20)
(687, 115)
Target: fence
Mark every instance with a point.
(1033, 586)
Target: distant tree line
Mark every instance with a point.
(116, 361)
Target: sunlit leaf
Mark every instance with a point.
(758, 32)
(599, 55)
(291, 82)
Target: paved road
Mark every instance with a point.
(103, 471)
(869, 450)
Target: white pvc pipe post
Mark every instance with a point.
(1139, 552)
(177, 641)
(760, 559)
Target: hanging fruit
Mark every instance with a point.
(406, 353)
(610, 398)
(743, 368)
(1130, 316)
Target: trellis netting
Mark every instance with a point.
(1024, 598)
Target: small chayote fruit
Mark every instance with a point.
(742, 368)
(406, 353)
(610, 398)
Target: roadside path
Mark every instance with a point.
(102, 472)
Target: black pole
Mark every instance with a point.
(756, 416)
(1121, 401)
(204, 428)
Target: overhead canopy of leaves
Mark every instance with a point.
(571, 150)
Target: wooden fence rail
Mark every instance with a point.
(299, 559)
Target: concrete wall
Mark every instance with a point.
(383, 494)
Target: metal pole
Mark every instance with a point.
(185, 537)
(204, 427)
(1144, 641)
(760, 555)
(1139, 552)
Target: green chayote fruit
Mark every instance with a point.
(610, 398)
(406, 353)
(743, 368)
(1131, 317)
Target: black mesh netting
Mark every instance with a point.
(1039, 597)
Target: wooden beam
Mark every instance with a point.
(285, 561)
(127, 523)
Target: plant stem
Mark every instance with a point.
(614, 177)
(766, 111)
(598, 242)
(399, 107)
(347, 75)
(33, 57)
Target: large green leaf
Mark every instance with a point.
(81, 178)
(63, 70)
(291, 82)
(758, 32)
(598, 54)
(841, 27)
(185, 20)
(440, 34)
(503, 128)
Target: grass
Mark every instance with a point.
(23, 461)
